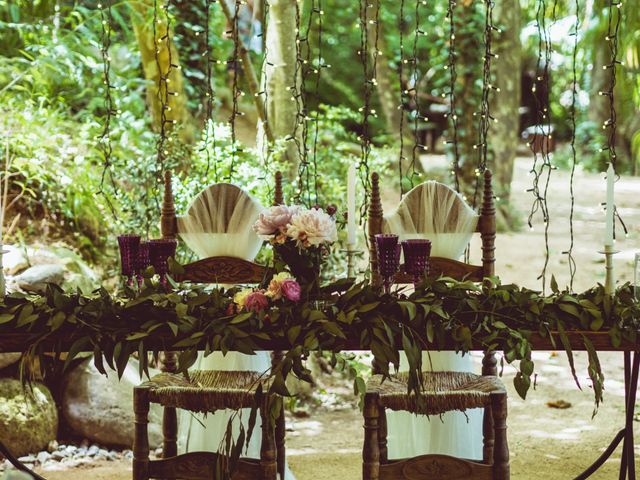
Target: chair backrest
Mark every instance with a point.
(411, 210)
(211, 211)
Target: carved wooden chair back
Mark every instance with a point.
(413, 207)
(219, 269)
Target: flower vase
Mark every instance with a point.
(304, 265)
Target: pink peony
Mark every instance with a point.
(274, 220)
(256, 301)
(290, 290)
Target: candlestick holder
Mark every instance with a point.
(352, 253)
(610, 277)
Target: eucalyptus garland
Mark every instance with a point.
(440, 313)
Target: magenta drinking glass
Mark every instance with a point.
(416, 258)
(388, 252)
(128, 245)
(159, 253)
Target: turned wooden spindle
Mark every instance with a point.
(488, 436)
(278, 196)
(488, 227)
(370, 451)
(268, 465)
(140, 433)
(374, 225)
(168, 223)
(501, 470)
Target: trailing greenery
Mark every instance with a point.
(440, 314)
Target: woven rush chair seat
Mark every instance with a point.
(205, 391)
(442, 392)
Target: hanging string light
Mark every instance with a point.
(209, 130)
(267, 147)
(543, 136)
(236, 93)
(610, 125)
(369, 24)
(404, 93)
(452, 114)
(104, 140)
(162, 40)
(574, 95)
(316, 7)
(485, 117)
(412, 90)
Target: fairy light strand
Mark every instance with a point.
(452, 114)
(412, 90)
(403, 99)
(236, 93)
(574, 95)
(369, 72)
(485, 117)
(298, 94)
(209, 128)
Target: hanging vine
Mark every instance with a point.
(104, 140)
(412, 90)
(209, 128)
(236, 93)
(452, 114)
(369, 25)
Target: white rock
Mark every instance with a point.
(15, 260)
(35, 279)
(100, 408)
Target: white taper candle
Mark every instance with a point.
(608, 229)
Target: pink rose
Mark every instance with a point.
(256, 301)
(290, 290)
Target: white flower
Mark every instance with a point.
(312, 227)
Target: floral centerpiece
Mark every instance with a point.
(301, 238)
(282, 287)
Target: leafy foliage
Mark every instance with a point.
(440, 314)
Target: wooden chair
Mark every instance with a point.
(443, 391)
(205, 391)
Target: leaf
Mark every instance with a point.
(6, 318)
(137, 335)
(409, 309)
(430, 335)
(567, 346)
(241, 317)
(554, 286)
(367, 307)
(526, 367)
(76, 347)
(522, 384)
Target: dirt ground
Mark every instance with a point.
(545, 443)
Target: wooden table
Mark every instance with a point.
(62, 341)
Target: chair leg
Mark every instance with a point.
(382, 434)
(268, 465)
(488, 436)
(281, 458)
(501, 469)
(141, 436)
(370, 450)
(169, 432)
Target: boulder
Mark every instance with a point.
(28, 417)
(35, 279)
(100, 407)
(7, 359)
(15, 260)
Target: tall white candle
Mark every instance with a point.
(351, 206)
(608, 229)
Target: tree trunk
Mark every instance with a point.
(507, 68)
(177, 104)
(282, 80)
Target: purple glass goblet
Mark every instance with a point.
(416, 258)
(128, 245)
(388, 252)
(159, 252)
(143, 261)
